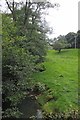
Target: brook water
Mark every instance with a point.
(29, 107)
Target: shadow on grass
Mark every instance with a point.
(62, 51)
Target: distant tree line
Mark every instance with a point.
(70, 37)
(71, 40)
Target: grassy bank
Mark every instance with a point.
(61, 76)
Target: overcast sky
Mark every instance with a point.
(63, 19)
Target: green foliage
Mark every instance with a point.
(14, 113)
(70, 37)
(78, 39)
(58, 45)
(0, 24)
(31, 28)
(17, 65)
(62, 116)
(24, 46)
(61, 43)
(40, 68)
(39, 87)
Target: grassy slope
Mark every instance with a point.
(61, 76)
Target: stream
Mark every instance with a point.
(30, 108)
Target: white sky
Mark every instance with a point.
(64, 19)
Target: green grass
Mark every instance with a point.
(61, 76)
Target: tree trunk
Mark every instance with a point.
(59, 50)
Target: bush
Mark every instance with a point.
(40, 68)
(39, 87)
(73, 115)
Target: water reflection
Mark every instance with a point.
(30, 108)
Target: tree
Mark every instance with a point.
(30, 23)
(70, 37)
(17, 68)
(78, 39)
(58, 46)
(24, 45)
(61, 43)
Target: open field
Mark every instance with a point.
(61, 76)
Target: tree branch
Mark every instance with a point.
(9, 6)
(12, 10)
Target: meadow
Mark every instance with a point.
(61, 77)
